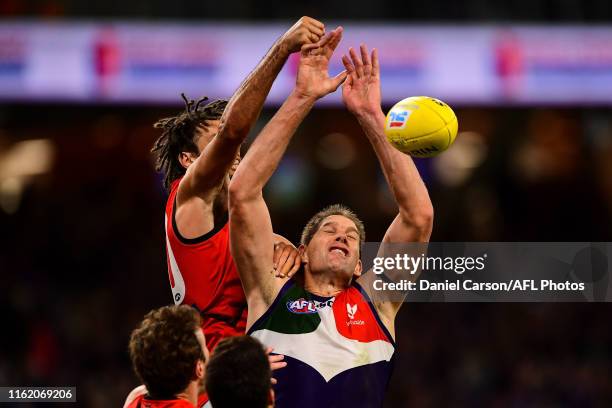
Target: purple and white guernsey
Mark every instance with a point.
(338, 352)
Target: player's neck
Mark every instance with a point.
(323, 284)
(190, 393)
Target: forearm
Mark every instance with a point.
(401, 174)
(239, 115)
(266, 152)
(245, 105)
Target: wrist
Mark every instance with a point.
(281, 48)
(302, 97)
(371, 116)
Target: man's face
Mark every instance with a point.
(335, 248)
(207, 132)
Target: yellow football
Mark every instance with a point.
(421, 126)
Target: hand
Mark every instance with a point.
(313, 80)
(306, 31)
(361, 90)
(287, 260)
(276, 361)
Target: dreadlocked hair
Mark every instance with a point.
(178, 135)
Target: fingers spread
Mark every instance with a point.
(367, 64)
(356, 62)
(348, 64)
(375, 65)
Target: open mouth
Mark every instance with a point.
(339, 249)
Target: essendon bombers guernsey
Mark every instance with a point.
(338, 352)
(203, 274)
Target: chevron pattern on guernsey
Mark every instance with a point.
(331, 335)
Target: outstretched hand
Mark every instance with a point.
(313, 79)
(361, 91)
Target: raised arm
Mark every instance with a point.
(205, 176)
(250, 225)
(361, 94)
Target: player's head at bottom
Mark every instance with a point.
(168, 351)
(239, 375)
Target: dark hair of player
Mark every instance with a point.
(164, 350)
(179, 135)
(336, 209)
(238, 374)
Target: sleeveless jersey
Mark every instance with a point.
(203, 274)
(338, 352)
(143, 402)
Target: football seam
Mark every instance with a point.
(437, 114)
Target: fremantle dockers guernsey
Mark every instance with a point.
(338, 352)
(203, 274)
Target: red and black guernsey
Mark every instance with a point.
(143, 401)
(203, 274)
(338, 352)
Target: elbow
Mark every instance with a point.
(233, 130)
(236, 192)
(239, 193)
(421, 220)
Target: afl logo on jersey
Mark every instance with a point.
(303, 306)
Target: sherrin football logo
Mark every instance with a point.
(303, 306)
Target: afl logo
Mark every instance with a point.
(303, 306)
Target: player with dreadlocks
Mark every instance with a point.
(197, 152)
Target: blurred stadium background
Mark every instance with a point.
(83, 255)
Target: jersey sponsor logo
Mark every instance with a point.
(351, 310)
(303, 306)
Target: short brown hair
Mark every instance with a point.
(238, 374)
(164, 350)
(336, 209)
